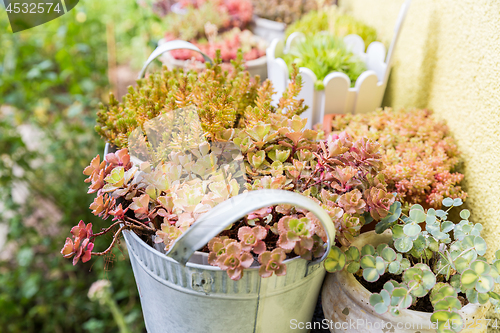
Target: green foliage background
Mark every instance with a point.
(52, 77)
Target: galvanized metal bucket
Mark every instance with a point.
(182, 296)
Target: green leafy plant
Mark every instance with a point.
(421, 157)
(332, 20)
(444, 263)
(324, 54)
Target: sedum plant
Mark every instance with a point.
(334, 21)
(324, 54)
(286, 11)
(443, 265)
(223, 14)
(178, 164)
(221, 98)
(228, 43)
(421, 157)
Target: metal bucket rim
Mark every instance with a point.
(200, 266)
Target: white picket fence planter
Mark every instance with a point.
(338, 97)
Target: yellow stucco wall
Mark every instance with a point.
(448, 59)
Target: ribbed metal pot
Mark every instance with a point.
(197, 297)
(347, 308)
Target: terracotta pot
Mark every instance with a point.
(346, 304)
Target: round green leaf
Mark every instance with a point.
(335, 261)
(399, 292)
(469, 279)
(405, 263)
(375, 299)
(417, 215)
(483, 298)
(480, 245)
(352, 254)
(367, 249)
(370, 274)
(407, 300)
(480, 267)
(448, 303)
(412, 230)
(428, 280)
(368, 261)
(457, 202)
(403, 244)
(447, 202)
(447, 226)
(389, 254)
(484, 284)
(381, 308)
(497, 254)
(441, 213)
(465, 214)
(389, 286)
(472, 296)
(380, 265)
(461, 264)
(353, 267)
(386, 296)
(333, 266)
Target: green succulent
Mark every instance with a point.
(334, 21)
(324, 54)
(430, 262)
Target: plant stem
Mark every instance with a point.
(117, 315)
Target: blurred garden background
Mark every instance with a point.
(52, 78)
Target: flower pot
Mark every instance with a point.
(337, 97)
(254, 67)
(180, 292)
(346, 304)
(268, 29)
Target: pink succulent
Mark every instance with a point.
(272, 262)
(81, 230)
(80, 246)
(295, 233)
(260, 213)
(102, 205)
(118, 212)
(352, 202)
(96, 171)
(140, 206)
(120, 158)
(379, 202)
(252, 239)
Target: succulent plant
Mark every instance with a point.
(239, 12)
(420, 155)
(445, 263)
(286, 11)
(228, 43)
(324, 54)
(333, 20)
(224, 138)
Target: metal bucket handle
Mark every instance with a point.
(170, 46)
(221, 216)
